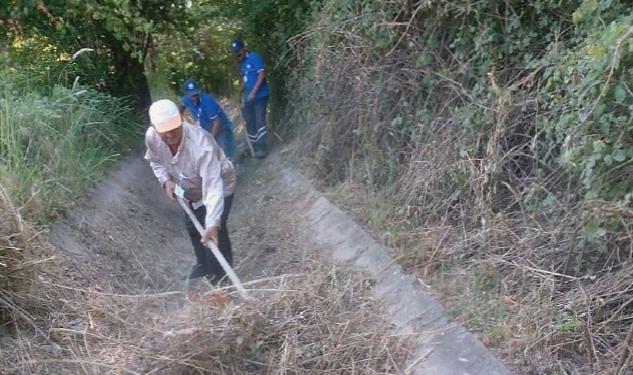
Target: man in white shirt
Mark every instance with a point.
(186, 155)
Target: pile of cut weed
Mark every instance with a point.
(22, 258)
(323, 321)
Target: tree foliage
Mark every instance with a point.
(268, 26)
(120, 32)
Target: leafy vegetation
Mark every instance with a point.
(497, 137)
(200, 51)
(119, 32)
(269, 27)
(53, 147)
(490, 141)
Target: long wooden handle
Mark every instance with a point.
(245, 131)
(248, 141)
(214, 249)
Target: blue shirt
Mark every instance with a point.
(205, 112)
(250, 66)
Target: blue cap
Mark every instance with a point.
(237, 45)
(190, 87)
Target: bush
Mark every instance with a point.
(501, 132)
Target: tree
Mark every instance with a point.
(120, 31)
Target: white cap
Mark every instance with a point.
(164, 115)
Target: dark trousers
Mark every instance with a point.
(205, 257)
(255, 118)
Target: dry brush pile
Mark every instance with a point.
(493, 142)
(25, 262)
(323, 321)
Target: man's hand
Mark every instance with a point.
(169, 187)
(211, 234)
(251, 96)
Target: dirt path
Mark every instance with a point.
(129, 234)
(129, 239)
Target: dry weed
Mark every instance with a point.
(321, 322)
(461, 174)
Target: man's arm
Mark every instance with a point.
(159, 170)
(168, 185)
(216, 127)
(212, 109)
(212, 193)
(261, 77)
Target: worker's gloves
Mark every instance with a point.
(211, 234)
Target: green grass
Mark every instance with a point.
(53, 147)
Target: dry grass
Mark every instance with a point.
(22, 258)
(457, 173)
(319, 323)
(322, 321)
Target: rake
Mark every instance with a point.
(214, 249)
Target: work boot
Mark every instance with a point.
(217, 280)
(197, 271)
(213, 279)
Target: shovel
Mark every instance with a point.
(214, 249)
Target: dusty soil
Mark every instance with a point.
(129, 237)
(127, 242)
(128, 252)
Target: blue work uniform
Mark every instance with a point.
(205, 112)
(251, 65)
(255, 111)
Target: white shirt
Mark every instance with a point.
(199, 167)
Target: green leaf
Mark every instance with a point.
(594, 231)
(620, 94)
(596, 52)
(598, 147)
(577, 17)
(619, 155)
(397, 121)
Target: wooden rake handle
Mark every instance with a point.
(214, 249)
(245, 131)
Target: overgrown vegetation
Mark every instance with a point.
(497, 136)
(59, 131)
(267, 27)
(56, 142)
(489, 142)
(310, 323)
(120, 33)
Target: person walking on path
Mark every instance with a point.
(255, 92)
(186, 156)
(209, 115)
